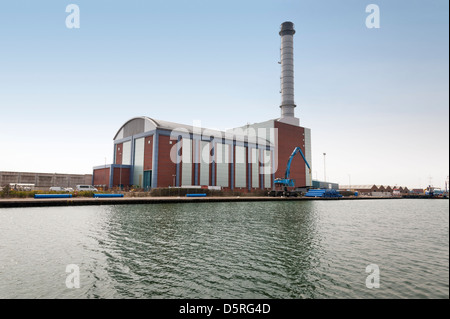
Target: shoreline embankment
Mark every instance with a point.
(84, 201)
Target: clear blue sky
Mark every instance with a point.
(377, 100)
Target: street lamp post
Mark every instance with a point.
(324, 168)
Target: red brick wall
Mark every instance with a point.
(119, 153)
(166, 168)
(148, 153)
(125, 176)
(289, 137)
(101, 176)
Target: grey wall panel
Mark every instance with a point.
(222, 159)
(264, 130)
(308, 156)
(186, 166)
(255, 167)
(120, 134)
(204, 163)
(126, 154)
(138, 172)
(134, 127)
(240, 167)
(267, 169)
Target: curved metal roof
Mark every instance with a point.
(135, 126)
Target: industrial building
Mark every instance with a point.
(376, 190)
(43, 181)
(324, 185)
(152, 153)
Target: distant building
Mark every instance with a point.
(361, 189)
(324, 185)
(403, 190)
(42, 181)
(376, 190)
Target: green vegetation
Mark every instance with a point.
(7, 192)
(164, 192)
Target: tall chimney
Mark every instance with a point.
(287, 74)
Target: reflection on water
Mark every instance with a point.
(218, 251)
(310, 249)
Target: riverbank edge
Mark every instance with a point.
(27, 202)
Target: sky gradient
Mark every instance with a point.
(376, 100)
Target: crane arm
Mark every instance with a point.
(288, 167)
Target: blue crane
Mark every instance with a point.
(287, 181)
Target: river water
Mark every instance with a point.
(301, 249)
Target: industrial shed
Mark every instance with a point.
(375, 190)
(42, 181)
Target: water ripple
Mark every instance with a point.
(228, 250)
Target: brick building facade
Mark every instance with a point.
(152, 153)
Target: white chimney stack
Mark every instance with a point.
(287, 74)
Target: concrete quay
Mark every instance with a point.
(83, 201)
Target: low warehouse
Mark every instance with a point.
(376, 190)
(43, 181)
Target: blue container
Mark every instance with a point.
(107, 195)
(195, 195)
(315, 193)
(323, 193)
(52, 195)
